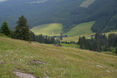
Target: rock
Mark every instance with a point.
(23, 75)
(99, 66)
(2, 62)
(45, 75)
(108, 71)
(37, 62)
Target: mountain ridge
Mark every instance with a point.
(66, 12)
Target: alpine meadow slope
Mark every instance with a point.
(81, 29)
(56, 62)
(53, 29)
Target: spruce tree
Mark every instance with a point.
(22, 30)
(5, 29)
(115, 50)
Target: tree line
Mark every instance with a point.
(23, 32)
(99, 42)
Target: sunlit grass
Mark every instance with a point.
(70, 45)
(81, 29)
(52, 29)
(61, 62)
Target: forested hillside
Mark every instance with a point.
(67, 12)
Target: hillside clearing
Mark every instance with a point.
(69, 39)
(75, 38)
(81, 29)
(53, 29)
(60, 62)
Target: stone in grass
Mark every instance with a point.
(45, 75)
(2, 62)
(23, 75)
(37, 62)
(100, 66)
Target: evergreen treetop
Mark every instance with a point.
(5, 29)
(22, 30)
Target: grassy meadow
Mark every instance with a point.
(81, 29)
(112, 32)
(69, 39)
(70, 45)
(59, 62)
(75, 38)
(53, 29)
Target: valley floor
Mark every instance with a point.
(52, 61)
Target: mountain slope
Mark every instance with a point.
(56, 62)
(81, 29)
(53, 29)
(66, 12)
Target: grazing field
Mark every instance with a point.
(53, 29)
(112, 32)
(73, 45)
(42, 60)
(69, 39)
(81, 29)
(75, 38)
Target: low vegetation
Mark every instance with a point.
(73, 45)
(81, 29)
(70, 39)
(56, 62)
(53, 29)
(99, 42)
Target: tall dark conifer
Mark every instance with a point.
(5, 29)
(116, 50)
(22, 30)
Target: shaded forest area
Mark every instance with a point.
(99, 42)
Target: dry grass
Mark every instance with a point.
(61, 62)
